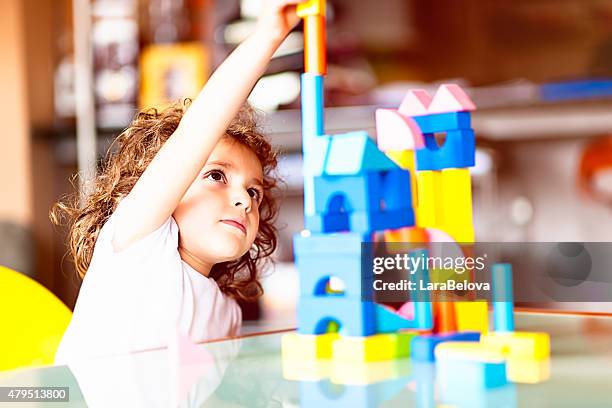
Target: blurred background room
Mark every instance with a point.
(540, 71)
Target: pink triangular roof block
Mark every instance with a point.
(416, 103)
(397, 132)
(451, 98)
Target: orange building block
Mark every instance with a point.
(315, 58)
(444, 317)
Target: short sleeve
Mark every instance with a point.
(159, 241)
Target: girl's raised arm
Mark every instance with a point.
(161, 187)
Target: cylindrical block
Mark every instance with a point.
(422, 303)
(315, 59)
(312, 131)
(312, 106)
(503, 298)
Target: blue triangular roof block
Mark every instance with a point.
(355, 153)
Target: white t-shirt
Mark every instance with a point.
(134, 299)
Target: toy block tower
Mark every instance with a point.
(352, 191)
(441, 173)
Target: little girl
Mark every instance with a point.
(180, 217)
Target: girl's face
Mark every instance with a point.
(218, 217)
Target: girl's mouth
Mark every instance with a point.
(235, 224)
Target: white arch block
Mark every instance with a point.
(416, 103)
(395, 131)
(450, 98)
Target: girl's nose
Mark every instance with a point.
(241, 199)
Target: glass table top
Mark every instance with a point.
(249, 372)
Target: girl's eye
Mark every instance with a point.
(255, 193)
(216, 175)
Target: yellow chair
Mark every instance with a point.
(32, 322)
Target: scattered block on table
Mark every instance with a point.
(378, 347)
(296, 346)
(520, 345)
(422, 347)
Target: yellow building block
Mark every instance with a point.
(528, 371)
(472, 316)
(306, 370)
(403, 158)
(378, 347)
(311, 8)
(296, 346)
(520, 345)
(369, 373)
(456, 205)
(473, 351)
(429, 198)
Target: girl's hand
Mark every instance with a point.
(278, 18)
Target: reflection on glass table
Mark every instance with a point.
(249, 372)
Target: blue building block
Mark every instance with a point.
(315, 271)
(314, 143)
(315, 151)
(355, 318)
(389, 322)
(335, 194)
(327, 223)
(458, 151)
(422, 347)
(395, 186)
(312, 105)
(444, 122)
(355, 153)
(360, 221)
(503, 298)
(309, 196)
(370, 191)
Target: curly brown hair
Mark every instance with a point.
(126, 160)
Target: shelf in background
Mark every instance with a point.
(516, 123)
(547, 121)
